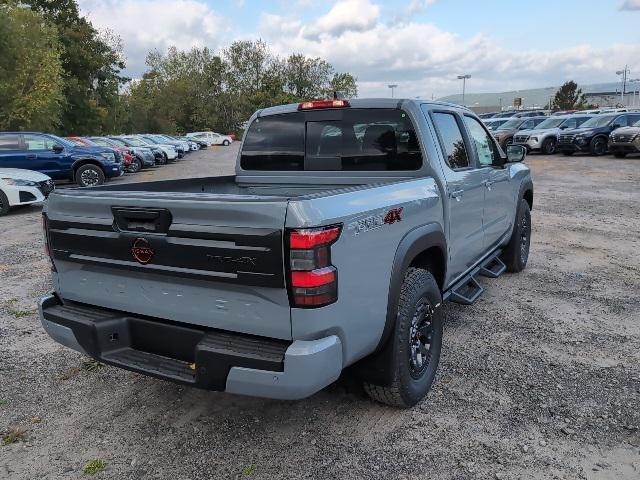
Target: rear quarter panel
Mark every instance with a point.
(363, 255)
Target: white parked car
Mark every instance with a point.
(212, 138)
(22, 187)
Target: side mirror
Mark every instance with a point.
(516, 153)
(615, 125)
(57, 148)
(563, 127)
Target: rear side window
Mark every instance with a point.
(350, 140)
(274, 143)
(9, 142)
(452, 141)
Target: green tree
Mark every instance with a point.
(344, 83)
(30, 71)
(569, 97)
(92, 62)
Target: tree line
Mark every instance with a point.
(60, 74)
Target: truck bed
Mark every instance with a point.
(227, 186)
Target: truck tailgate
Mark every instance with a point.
(194, 258)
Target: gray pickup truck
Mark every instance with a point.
(346, 226)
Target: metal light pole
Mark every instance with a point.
(633, 98)
(392, 86)
(464, 79)
(623, 74)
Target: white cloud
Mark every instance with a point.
(423, 58)
(345, 15)
(630, 5)
(146, 25)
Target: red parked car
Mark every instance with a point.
(129, 164)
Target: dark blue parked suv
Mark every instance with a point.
(593, 135)
(58, 158)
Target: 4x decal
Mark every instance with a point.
(373, 222)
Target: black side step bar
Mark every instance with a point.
(493, 267)
(467, 290)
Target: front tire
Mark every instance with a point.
(89, 175)
(136, 165)
(4, 204)
(549, 146)
(416, 342)
(516, 253)
(225, 143)
(598, 146)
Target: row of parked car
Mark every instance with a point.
(30, 162)
(593, 131)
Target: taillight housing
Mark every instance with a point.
(47, 240)
(313, 280)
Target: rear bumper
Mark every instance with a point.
(191, 355)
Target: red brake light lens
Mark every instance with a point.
(311, 238)
(314, 278)
(323, 104)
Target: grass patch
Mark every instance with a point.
(94, 466)
(249, 470)
(10, 301)
(22, 313)
(3, 403)
(69, 374)
(13, 436)
(91, 365)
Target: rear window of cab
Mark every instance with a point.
(329, 140)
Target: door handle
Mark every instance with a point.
(457, 194)
(33, 156)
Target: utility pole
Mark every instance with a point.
(464, 79)
(392, 86)
(623, 74)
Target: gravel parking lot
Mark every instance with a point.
(540, 379)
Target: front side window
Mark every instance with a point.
(352, 140)
(452, 140)
(38, 142)
(482, 140)
(9, 142)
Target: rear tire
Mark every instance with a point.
(4, 204)
(416, 342)
(516, 253)
(89, 175)
(225, 143)
(549, 146)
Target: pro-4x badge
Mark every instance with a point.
(141, 250)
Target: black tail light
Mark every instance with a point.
(313, 281)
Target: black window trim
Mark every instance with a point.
(473, 164)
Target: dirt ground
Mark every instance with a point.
(540, 379)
